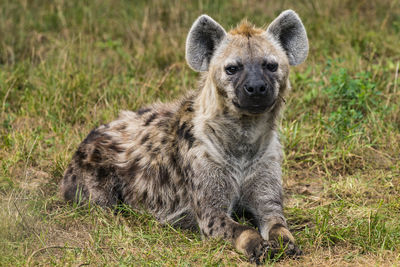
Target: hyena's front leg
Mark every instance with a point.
(213, 194)
(262, 195)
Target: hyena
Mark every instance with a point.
(195, 162)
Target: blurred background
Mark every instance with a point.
(68, 66)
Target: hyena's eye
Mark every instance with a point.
(272, 67)
(232, 69)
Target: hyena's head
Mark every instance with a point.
(248, 67)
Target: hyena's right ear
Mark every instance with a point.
(202, 41)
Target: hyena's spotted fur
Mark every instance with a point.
(216, 151)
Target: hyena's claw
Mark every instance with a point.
(259, 252)
(285, 249)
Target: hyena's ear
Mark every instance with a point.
(289, 31)
(202, 41)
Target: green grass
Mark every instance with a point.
(67, 66)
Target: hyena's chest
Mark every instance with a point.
(239, 160)
(236, 148)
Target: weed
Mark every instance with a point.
(351, 100)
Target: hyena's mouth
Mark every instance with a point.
(254, 108)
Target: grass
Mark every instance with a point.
(67, 66)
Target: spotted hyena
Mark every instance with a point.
(196, 161)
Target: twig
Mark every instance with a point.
(382, 153)
(3, 108)
(396, 76)
(27, 159)
(164, 77)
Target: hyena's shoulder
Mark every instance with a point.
(144, 132)
(156, 126)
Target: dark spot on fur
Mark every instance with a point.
(184, 131)
(69, 171)
(160, 201)
(162, 123)
(212, 129)
(103, 173)
(175, 203)
(211, 232)
(275, 202)
(164, 140)
(187, 170)
(96, 156)
(181, 130)
(179, 182)
(211, 223)
(91, 137)
(81, 155)
(191, 185)
(203, 232)
(164, 175)
(189, 137)
(167, 113)
(174, 160)
(149, 146)
(143, 111)
(221, 92)
(81, 158)
(116, 147)
(73, 178)
(189, 106)
(145, 138)
(137, 159)
(198, 212)
(144, 195)
(117, 189)
(225, 235)
(130, 170)
(121, 127)
(150, 119)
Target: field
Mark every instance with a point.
(68, 66)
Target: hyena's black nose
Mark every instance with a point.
(258, 88)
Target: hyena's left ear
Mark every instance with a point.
(202, 41)
(289, 31)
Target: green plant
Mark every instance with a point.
(351, 99)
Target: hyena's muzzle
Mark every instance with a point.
(254, 88)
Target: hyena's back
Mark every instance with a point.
(139, 160)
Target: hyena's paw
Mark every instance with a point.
(251, 244)
(282, 242)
